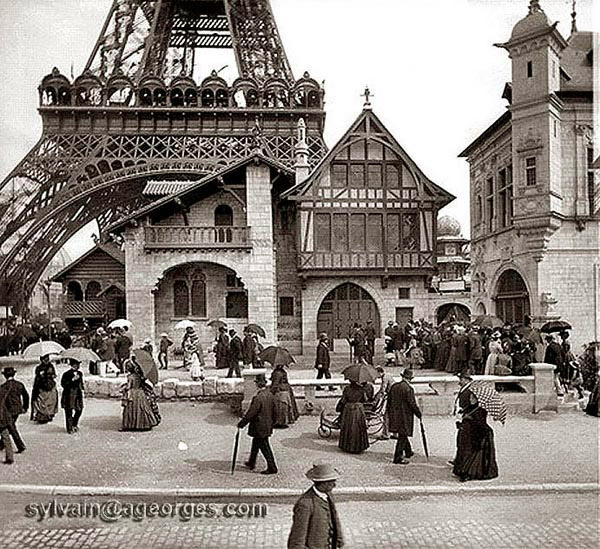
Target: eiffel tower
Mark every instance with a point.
(142, 110)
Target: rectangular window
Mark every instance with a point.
(392, 176)
(591, 185)
(403, 293)
(340, 233)
(375, 176)
(236, 305)
(339, 176)
(410, 231)
(529, 69)
(357, 232)
(531, 171)
(393, 233)
(502, 214)
(357, 176)
(490, 213)
(322, 232)
(479, 212)
(286, 306)
(374, 233)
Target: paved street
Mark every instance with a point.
(549, 520)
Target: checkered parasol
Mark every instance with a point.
(490, 400)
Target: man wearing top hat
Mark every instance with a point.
(323, 360)
(316, 524)
(402, 407)
(17, 402)
(260, 419)
(72, 396)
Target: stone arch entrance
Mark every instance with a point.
(453, 312)
(512, 297)
(344, 306)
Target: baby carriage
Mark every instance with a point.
(374, 411)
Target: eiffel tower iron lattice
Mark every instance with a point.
(141, 109)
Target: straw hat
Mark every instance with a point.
(322, 472)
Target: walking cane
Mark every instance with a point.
(424, 440)
(235, 450)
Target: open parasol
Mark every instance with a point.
(41, 348)
(256, 329)
(277, 355)
(490, 400)
(360, 373)
(120, 323)
(183, 324)
(555, 326)
(236, 444)
(488, 321)
(216, 323)
(80, 354)
(147, 364)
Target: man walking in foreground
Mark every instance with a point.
(17, 402)
(316, 524)
(402, 408)
(260, 417)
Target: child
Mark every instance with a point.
(197, 367)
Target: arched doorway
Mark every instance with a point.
(512, 298)
(342, 307)
(453, 312)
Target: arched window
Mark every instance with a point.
(181, 299)
(177, 99)
(223, 216)
(512, 299)
(199, 298)
(92, 290)
(74, 292)
(208, 98)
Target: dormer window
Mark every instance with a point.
(529, 69)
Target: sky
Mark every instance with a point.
(435, 76)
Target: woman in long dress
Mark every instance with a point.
(44, 396)
(138, 413)
(495, 350)
(475, 455)
(286, 411)
(353, 433)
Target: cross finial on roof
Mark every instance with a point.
(534, 6)
(367, 95)
(574, 17)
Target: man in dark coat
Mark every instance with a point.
(122, 349)
(323, 361)
(316, 524)
(235, 354)
(475, 352)
(399, 341)
(17, 402)
(402, 407)
(554, 355)
(72, 396)
(370, 336)
(260, 419)
(460, 342)
(222, 349)
(248, 348)
(5, 421)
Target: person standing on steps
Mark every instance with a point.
(259, 419)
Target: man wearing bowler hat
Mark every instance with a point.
(260, 417)
(316, 524)
(17, 402)
(402, 407)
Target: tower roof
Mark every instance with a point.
(536, 20)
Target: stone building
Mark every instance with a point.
(534, 196)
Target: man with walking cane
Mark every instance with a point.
(260, 419)
(402, 407)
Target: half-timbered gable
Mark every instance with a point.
(368, 206)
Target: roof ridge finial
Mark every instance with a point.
(367, 95)
(574, 17)
(534, 7)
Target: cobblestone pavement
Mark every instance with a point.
(545, 521)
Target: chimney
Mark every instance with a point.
(302, 167)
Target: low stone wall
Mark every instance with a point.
(212, 388)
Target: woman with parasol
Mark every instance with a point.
(286, 410)
(140, 413)
(44, 396)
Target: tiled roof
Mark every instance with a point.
(165, 188)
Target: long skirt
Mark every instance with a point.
(593, 406)
(353, 434)
(45, 406)
(295, 412)
(283, 409)
(137, 413)
(476, 454)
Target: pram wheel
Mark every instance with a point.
(324, 432)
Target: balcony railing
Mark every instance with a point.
(366, 260)
(84, 309)
(165, 237)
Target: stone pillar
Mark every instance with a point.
(544, 396)
(262, 307)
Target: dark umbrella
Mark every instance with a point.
(424, 440)
(147, 364)
(488, 321)
(555, 326)
(360, 373)
(217, 324)
(255, 328)
(276, 355)
(235, 450)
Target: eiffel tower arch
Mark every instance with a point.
(142, 109)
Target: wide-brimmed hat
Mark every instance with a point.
(322, 472)
(408, 374)
(464, 375)
(8, 371)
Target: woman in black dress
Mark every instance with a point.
(475, 455)
(138, 412)
(286, 411)
(44, 396)
(353, 433)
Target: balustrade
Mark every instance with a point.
(168, 237)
